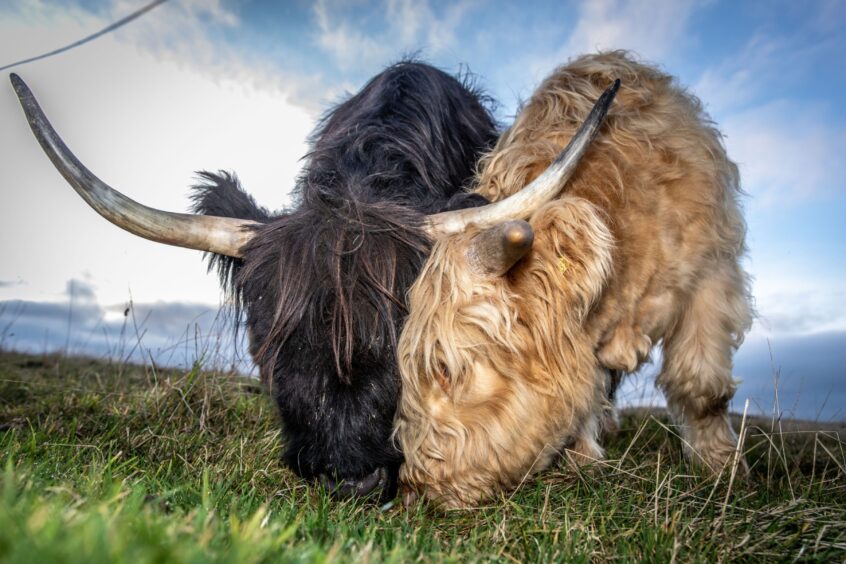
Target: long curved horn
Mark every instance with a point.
(222, 235)
(541, 190)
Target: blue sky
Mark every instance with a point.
(204, 84)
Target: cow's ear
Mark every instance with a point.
(494, 251)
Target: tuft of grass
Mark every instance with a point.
(131, 464)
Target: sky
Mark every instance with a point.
(239, 84)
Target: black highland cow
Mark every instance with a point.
(323, 284)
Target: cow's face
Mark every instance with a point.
(498, 374)
(324, 302)
(338, 431)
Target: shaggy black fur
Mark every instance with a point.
(323, 284)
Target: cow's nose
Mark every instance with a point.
(345, 488)
(409, 497)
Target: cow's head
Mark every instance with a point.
(498, 374)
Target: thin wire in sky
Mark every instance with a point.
(111, 27)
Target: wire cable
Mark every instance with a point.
(111, 27)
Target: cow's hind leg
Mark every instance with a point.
(585, 447)
(696, 376)
(610, 415)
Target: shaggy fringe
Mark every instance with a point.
(363, 265)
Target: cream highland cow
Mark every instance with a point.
(514, 329)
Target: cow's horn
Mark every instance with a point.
(496, 249)
(223, 235)
(541, 190)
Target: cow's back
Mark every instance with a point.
(658, 172)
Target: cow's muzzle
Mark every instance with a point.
(377, 483)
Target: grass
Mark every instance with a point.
(103, 462)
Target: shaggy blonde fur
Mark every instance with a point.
(500, 373)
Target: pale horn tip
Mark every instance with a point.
(21, 89)
(518, 234)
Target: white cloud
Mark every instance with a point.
(171, 334)
(417, 22)
(735, 81)
(787, 153)
(179, 31)
(342, 41)
(172, 29)
(652, 28)
(407, 25)
(143, 118)
(800, 313)
(769, 63)
(796, 297)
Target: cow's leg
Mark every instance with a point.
(627, 348)
(696, 374)
(585, 448)
(610, 416)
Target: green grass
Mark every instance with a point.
(102, 462)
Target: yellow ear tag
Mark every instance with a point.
(563, 264)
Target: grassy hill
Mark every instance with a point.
(103, 462)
